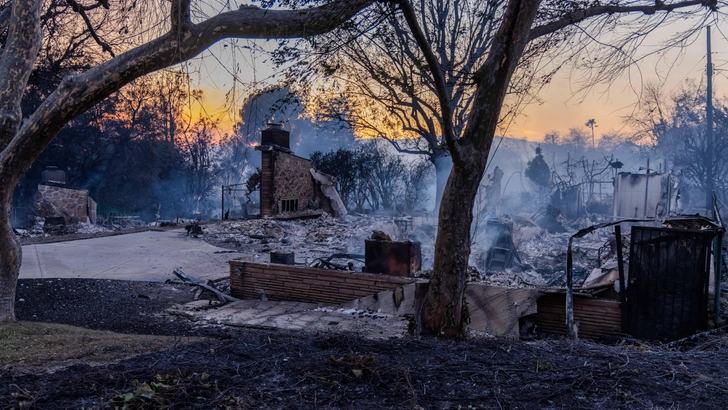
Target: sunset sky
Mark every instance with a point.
(562, 106)
(609, 105)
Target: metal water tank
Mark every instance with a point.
(53, 176)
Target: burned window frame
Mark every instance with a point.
(289, 205)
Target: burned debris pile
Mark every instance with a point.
(513, 259)
(311, 239)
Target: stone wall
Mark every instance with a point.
(287, 176)
(74, 205)
(291, 180)
(293, 283)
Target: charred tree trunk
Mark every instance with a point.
(18, 56)
(11, 254)
(443, 312)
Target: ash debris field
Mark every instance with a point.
(248, 368)
(312, 238)
(260, 368)
(541, 260)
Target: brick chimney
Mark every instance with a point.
(53, 176)
(274, 138)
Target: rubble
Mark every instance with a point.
(41, 229)
(310, 239)
(542, 254)
(580, 263)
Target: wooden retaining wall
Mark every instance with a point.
(596, 317)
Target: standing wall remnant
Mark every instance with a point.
(73, 205)
(287, 184)
(392, 258)
(644, 195)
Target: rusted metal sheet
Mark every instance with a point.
(392, 258)
(283, 258)
(667, 291)
(596, 317)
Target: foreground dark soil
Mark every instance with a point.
(245, 368)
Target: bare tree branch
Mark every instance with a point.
(23, 43)
(81, 10)
(436, 70)
(581, 15)
(77, 93)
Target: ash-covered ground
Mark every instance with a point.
(264, 369)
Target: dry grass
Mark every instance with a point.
(33, 346)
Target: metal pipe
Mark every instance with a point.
(718, 257)
(570, 328)
(620, 268)
(647, 188)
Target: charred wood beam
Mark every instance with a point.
(191, 280)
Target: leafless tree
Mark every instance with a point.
(523, 21)
(202, 167)
(377, 79)
(175, 38)
(676, 126)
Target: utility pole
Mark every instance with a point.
(709, 130)
(592, 123)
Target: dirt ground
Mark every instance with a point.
(233, 368)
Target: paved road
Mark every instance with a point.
(144, 256)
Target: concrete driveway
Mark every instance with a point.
(143, 256)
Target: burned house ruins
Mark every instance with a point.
(57, 203)
(658, 279)
(289, 184)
